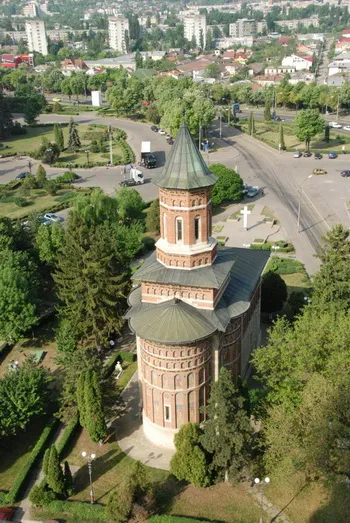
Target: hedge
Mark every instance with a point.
(284, 266)
(67, 436)
(22, 476)
(78, 508)
(176, 519)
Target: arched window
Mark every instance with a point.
(179, 230)
(165, 231)
(197, 222)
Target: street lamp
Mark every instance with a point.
(70, 166)
(30, 165)
(266, 481)
(90, 458)
(206, 146)
(299, 204)
(87, 157)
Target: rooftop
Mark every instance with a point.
(185, 167)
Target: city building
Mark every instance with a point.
(31, 10)
(280, 69)
(118, 32)
(196, 307)
(299, 62)
(245, 27)
(36, 36)
(195, 26)
(294, 24)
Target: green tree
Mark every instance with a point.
(67, 336)
(273, 292)
(129, 239)
(81, 398)
(6, 119)
(68, 479)
(190, 460)
(229, 185)
(119, 503)
(227, 431)
(48, 152)
(55, 476)
(250, 123)
(153, 217)
(281, 140)
(267, 110)
(46, 458)
(18, 292)
(58, 136)
(307, 124)
(96, 208)
(23, 396)
(51, 187)
(41, 176)
(92, 280)
(49, 240)
(130, 205)
(213, 71)
(94, 412)
(73, 137)
(326, 133)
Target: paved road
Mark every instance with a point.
(323, 197)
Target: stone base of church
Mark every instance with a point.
(160, 436)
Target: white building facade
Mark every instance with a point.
(195, 25)
(245, 27)
(118, 32)
(36, 36)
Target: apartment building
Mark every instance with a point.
(246, 27)
(294, 24)
(36, 36)
(31, 10)
(118, 32)
(195, 25)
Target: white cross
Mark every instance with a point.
(245, 213)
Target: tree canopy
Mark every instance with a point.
(229, 185)
(307, 124)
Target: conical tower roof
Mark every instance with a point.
(185, 167)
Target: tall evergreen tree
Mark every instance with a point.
(227, 431)
(326, 133)
(46, 460)
(55, 477)
(81, 398)
(267, 110)
(253, 125)
(73, 137)
(58, 136)
(6, 119)
(68, 479)
(250, 123)
(281, 141)
(41, 176)
(91, 279)
(95, 422)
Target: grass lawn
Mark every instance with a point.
(314, 503)
(15, 450)
(296, 282)
(37, 202)
(31, 141)
(269, 133)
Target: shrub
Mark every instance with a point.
(119, 503)
(67, 435)
(284, 266)
(67, 177)
(273, 292)
(22, 476)
(51, 187)
(18, 129)
(19, 201)
(123, 355)
(83, 511)
(41, 495)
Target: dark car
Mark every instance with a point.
(76, 102)
(345, 174)
(21, 176)
(307, 154)
(332, 155)
(170, 140)
(318, 156)
(128, 183)
(154, 128)
(278, 119)
(297, 154)
(150, 161)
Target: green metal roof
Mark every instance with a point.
(212, 276)
(175, 322)
(185, 167)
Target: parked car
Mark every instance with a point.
(160, 131)
(129, 183)
(252, 191)
(170, 140)
(53, 217)
(154, 128)
(21, 176)
(318, 156)
(332, 155)
(56, 99)
(345, 173)
(297, 154)
(307, 154)
(336, 125)
(76, 102)
(346, 128)
(319, 171)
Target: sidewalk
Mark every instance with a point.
(130, 436)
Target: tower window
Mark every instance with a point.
(167, 416)
(165, 231)
(179, 231)
(196, 228)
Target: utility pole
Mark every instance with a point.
(229, 114)
(110, 146)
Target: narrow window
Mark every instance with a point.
(196, 228)
(179, 229)
(167, 413)
(165, 232)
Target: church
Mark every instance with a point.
(197, 305)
